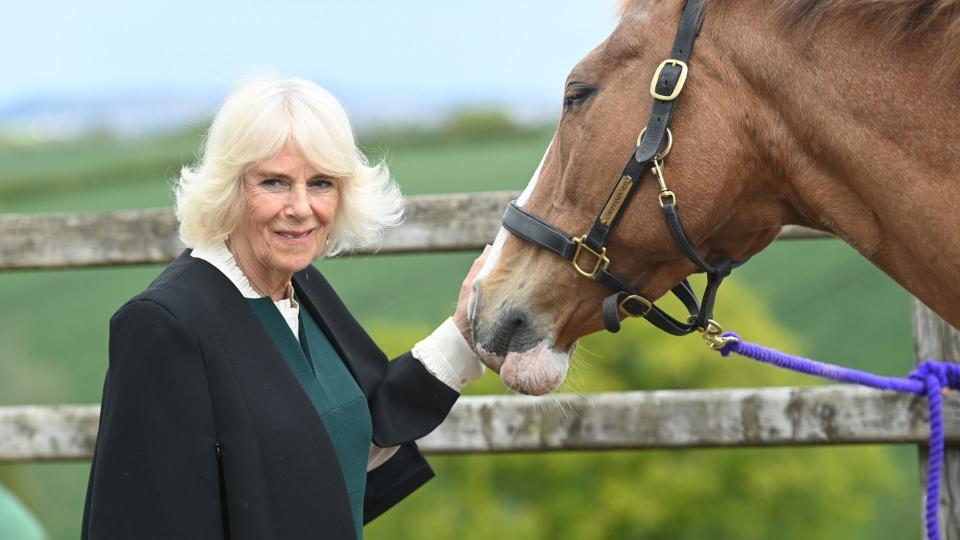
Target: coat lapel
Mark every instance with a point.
(363, 358)
(312, 298)
(256, 358)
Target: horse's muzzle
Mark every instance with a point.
(514, 343)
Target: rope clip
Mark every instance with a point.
(713, 335)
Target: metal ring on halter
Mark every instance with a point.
(660, 155)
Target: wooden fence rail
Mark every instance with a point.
(752, 417)
(462, 221)
(824, 415)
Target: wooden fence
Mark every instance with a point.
(836, 414)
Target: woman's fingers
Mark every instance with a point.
(466, 289)
(477, 265)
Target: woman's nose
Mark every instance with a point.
(298, 205)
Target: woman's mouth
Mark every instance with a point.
(295, 237)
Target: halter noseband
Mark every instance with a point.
(665, 88)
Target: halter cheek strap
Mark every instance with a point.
(588, 253)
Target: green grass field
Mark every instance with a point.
(53, 325)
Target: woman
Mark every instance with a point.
(242, 399)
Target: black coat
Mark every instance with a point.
(206, 433)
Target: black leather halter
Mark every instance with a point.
(654, 144)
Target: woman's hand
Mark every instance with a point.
(463, 303)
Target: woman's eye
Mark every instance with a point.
(271, 183)
(321, 184)
(576, 94)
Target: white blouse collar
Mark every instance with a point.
(223, 260)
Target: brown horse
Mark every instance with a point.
(839, 115)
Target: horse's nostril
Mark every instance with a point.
(512, 332)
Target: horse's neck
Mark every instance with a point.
(873, 154)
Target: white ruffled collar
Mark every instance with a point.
(223, 260)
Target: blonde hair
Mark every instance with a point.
(257, 120)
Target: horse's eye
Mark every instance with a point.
(576, 94)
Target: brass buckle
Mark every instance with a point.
(602, 260)
(676, 89)
(646, 303)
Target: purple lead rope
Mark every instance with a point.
(930, 378)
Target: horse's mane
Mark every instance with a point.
(898, 20)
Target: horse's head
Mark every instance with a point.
(531, 306)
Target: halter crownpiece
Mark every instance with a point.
(588, 253)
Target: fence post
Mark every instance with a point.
(935, 339)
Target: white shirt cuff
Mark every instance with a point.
(446, 354)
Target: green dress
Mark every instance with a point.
(332, 390)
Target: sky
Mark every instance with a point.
(388, 53)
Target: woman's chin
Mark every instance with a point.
(290, 259)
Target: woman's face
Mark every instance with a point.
(289, 209)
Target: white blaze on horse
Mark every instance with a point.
(840, 115)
